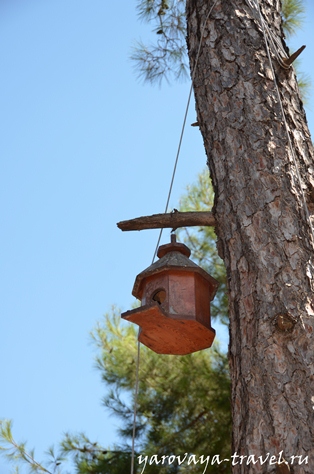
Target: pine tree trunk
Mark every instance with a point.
(263, 231)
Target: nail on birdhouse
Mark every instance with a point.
(175, 294)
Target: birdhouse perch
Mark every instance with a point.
(175, 293)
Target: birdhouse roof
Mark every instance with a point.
(172, 260)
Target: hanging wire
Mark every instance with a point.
(161, 230)
(135, 404)
(306, 210)
(184, 123)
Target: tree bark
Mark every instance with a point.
(263, 231)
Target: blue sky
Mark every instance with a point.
(83, 145)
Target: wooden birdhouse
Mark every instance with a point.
(175, 294)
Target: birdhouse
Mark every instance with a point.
(175, 293)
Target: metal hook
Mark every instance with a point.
(288, 61)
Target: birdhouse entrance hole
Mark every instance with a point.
(159, 296)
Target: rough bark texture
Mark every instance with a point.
(263, 234)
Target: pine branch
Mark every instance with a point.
(17, 452)
(293, 15)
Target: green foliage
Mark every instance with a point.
(202, 242)
(292, 15)
(167, 56)
(304, 82)
(18, 454)
(91, 458)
